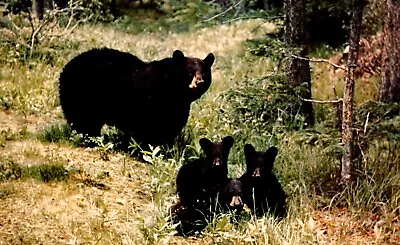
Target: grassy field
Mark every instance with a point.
(55, 192)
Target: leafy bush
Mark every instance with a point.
(262, 104)
(46, 172)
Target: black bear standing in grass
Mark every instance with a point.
(263, 192)
(198, 183)
(151, 101)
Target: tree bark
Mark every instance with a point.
(357, 7)
(390, 88)
(298, 70)
(39, 9)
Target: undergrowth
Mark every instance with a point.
(44, 172)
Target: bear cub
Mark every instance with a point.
(198, 183)
(262, 190)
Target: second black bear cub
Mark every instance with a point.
(263, 192)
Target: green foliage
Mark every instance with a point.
(270, 46)
(170, 17)
(97, 10)
(7, 135)
(373, 16)
(10, 171)
(44, 172)
(6, 191)
(377, 182)
(262, 105)
(379, 120)
(63, 134)
(56, 134)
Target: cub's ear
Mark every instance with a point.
(178, 55)
(270, 155)
(248, 150)
(227, 142)
(206, 145)
(209, 60)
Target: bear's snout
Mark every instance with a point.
(217, 162)
(236, 201)
(257, 172)
(197, 79)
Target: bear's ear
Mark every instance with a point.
(270, 155)
(227, 142)
(249, 150)
(178, 55)
(206, 145)
(209, 60)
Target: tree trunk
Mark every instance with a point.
(347, 123)
(390, 88)
(298, 70)
(114, 8)
(39, 9)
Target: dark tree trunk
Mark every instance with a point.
(390, 88)
(347, 123)
(298, 70)
(39, 9)
(114, 8)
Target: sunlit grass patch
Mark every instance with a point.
(6, 191)
(327, 80)
(30, 91)
(10, 135)
(44, 172)
(56, 134)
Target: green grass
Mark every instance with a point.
(7, 135)
(56, 134)
(43, 172)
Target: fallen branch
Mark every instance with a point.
(226, 11)
(320, 61)
(323, 101)
(252, 17)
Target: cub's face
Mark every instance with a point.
(217, 153)
(259, 164)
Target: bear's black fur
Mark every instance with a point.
(231, 196)
(263, 192)
(198, 183)
(150, 101)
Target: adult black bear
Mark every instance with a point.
(150, 101)
(198, 183)
(263, 192)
